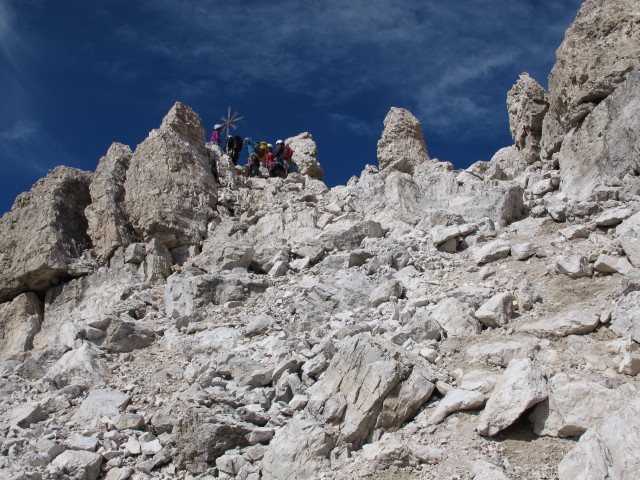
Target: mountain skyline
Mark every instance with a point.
(77, 77)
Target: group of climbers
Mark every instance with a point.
(278, 163)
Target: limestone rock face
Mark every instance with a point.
(305, 155)
(598, 50)
(588, 158)
(19, 322)
(527, 104)
(108, 224)
(170, 190)
(44, 233)
(402, 143)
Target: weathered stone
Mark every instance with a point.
(573, 322)
(455, 318)
(20, 321)
(573, 266)
(492, 251)
(383, 292)
(298, 451)
(105, 402)
(305, 155)
(588, 159)
(23, 415)
(510, 161)
(365, 385)
(128, 421)
(599, 48)
(81, 442)
(574, 232)
(527, 104)
(108, 224)
(501, 353)
(454, 401)
(575, 404)
(44, 233)
(170, 191)
(609, 450)
(81, 465)
(625, 318)
(402, 144)
(497, 311)
(83, 366)
(611, 264)
(520, 387)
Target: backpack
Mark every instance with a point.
(236, 143)
(287, 153)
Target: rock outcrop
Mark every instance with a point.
(170, 191)
(108, 222)
(44, 233)
(305, 155)
(527, 104)
(592, 161)
(599, 49)
(401, 146)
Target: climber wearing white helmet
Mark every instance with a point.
(215, 135)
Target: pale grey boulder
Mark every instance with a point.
(401, 146)
(572, 322)
(598, 50)
(454, 401)
(521, 386)
(355, 387)
(108, 223)
(625, 317)
(456, 318)
(576, 404)
(383, 292)
(298, 451)
(510, 161)
(496, 311)
(171, 193)
(610, 264)
(104, 402)
(81, 465)
(590, 159)
(608, 450)
(484, 470)
(491, 251)
(83, 366)
(20, 321)
(501, 353)
(527, 104)
(573, 266)
(44, 233)
(629, 237)
(305, 155)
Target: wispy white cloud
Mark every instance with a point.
(351, 124)
(19, 131)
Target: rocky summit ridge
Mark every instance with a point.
(420, 322)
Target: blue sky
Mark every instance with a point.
(76, 75)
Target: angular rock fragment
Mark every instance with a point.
(20, 321)
(454, 401)
(575, 404)
(608, 450)
(520, 387)
(492, 251)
